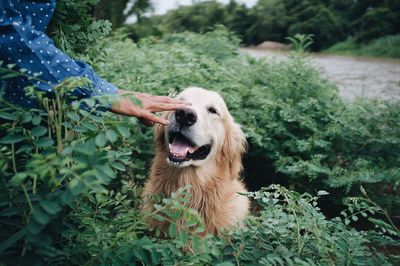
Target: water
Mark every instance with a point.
(354, 76)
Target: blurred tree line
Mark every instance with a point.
(330, 21)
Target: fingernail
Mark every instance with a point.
(166, 122)
(188, 104)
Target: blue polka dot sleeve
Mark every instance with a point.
(24, 43)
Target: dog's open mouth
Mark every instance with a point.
(182, 149)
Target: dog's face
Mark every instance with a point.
(201, 132)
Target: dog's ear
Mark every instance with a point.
(233, 148)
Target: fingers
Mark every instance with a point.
(159, 99)
(146, 122)
(146, 117)
(159, 107)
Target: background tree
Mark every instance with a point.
(117, 11)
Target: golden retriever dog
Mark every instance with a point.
(202, 147)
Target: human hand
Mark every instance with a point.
(149, 104)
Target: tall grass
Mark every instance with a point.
(388, 46)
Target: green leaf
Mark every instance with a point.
(18, 179)
(11, 139)
(24, 148)
(36, 120)
(118, 166)
(87, 148)
(51, 207)
(123, 130)
(89, 126)
(172, 230)
(100, 140)
(40, 216)
(111, 135)
(322, 193)
(7, 116)
(12, 239)
(183, 237)
(44, 142)
(10, 75)
(38, 131)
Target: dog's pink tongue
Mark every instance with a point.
(178, 148)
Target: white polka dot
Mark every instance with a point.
(26, 7)
(22, 39)
(11, 37)
(19, 60)
(40, 21)
(38, 82)
(29, 42)
(42, 62)
(31, 61)
(66, 60)
(48, 62)
(41, 51)
(34, 14)
(41, 9)
(58, 61)
(9, 48)
(77, 69)
(58, 71)
(23, 28)
(47, 15)
(68, 69)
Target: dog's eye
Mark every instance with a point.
(212, 110)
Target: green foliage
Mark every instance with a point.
(117, 11)
(74, 31)
(71, 180)
(388, 46)
(297, 126)
(272, 20)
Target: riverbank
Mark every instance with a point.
(384, 47)
(356, 77)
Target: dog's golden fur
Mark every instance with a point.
(214, 185)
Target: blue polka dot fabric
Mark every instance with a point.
(24, 43)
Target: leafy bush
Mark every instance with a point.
(388, 46)
(298, 128)
(71, 180)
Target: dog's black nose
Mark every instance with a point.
(185, 117)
